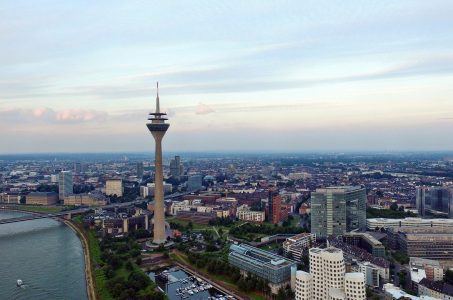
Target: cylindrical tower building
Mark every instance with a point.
(158, 127)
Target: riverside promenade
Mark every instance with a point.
(91, 293)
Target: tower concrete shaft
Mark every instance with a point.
(158, 127)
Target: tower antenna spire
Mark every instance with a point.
(157, 100)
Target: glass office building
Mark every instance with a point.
(336, 210)
(274, 268)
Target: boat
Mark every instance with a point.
(20, 282)
(190, 292)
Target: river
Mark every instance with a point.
(46, 254)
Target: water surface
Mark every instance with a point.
(46, 254)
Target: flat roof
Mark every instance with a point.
(259, 256)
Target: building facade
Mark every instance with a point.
(327, 278)
(244, 213)
(88, 199)
(296, 245)
(11, 198)
(432, 243)
(176, 167)
(266, 265)
(275, 207)
(140, 170)
(435, 289)
(42, 198)
(378, 223)
(194, 183)
(435, 200)
(365, 241)
(65, 184)
(336, 210)
(114, 187)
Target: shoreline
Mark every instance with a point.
(91, 293)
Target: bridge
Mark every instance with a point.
(68, 213)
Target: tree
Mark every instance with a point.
(129, 265)
(394, 206)
(138, 280)
(449, 276)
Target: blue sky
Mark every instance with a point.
(234, 75)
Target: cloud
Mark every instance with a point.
(48, 115)
(225, 80)
(203, 109)
(77, 115)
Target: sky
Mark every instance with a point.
(290, 76)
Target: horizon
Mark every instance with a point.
(274, 77)
(261, 152)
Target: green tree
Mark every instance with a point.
(449, 276)
(394, 206)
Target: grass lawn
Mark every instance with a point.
(41, 209)
(271, 246)
(95, 254)
(196, 226)
(296, 221)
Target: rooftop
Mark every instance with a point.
(259, 256)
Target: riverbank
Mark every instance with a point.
(91, 293)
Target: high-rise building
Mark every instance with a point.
(114, 187)
(158, 127)
(336, 210)
(435, 200)
(140, 170)
(176, 167)
(144, 191)
(327, 278)
(194, 183)
(79, 168)
(65, 184)
(54, 178)
(275, 207)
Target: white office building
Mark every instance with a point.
(246, 214)
(378, 223)
(327, 278)
(114, 187)
(298, 243)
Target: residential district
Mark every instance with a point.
(243, 226)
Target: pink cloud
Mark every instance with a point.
(48, 115)
(203, 109)
(78, 115)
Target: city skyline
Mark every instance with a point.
(333, 76)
